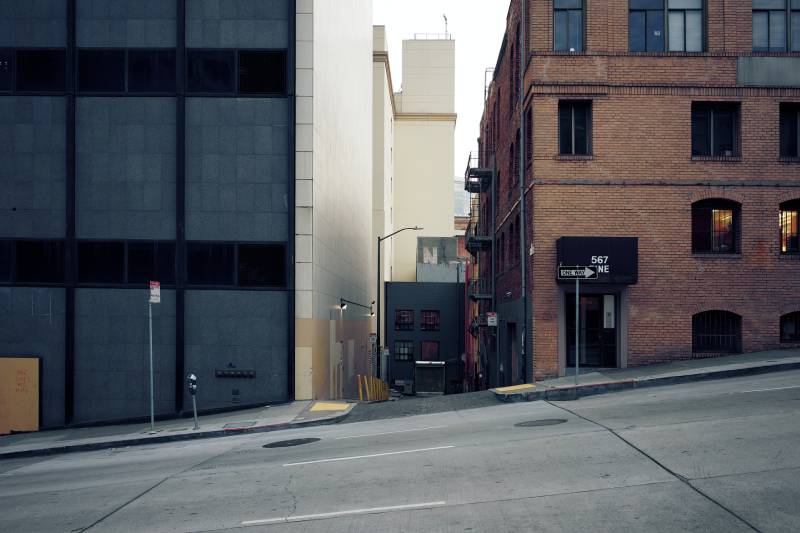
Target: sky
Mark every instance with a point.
(477, 27)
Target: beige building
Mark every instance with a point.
(333, 219)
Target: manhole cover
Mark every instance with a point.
(287, 443)
(538, 423)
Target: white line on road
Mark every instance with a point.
(368, 456)
(388, 433)
(322, 516)
(767, 390)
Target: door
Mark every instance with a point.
(598, 330)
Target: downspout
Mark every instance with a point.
(522, 225)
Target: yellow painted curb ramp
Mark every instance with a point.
(516, 388)
(329, 406)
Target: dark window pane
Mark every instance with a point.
(568, 4)
(262, 265)
(40, 70)
(701, 131)
(796, 30)
(262, 72)
(655, 31)
(576, 30)
(210, 264)
(777, 31)
(101, 71)
(430, 321)
(647, 4)
(429, 351)
(724, 127)
(637, 31)
(701, 230)
(5, 261)
(790, 327)
(565, 128)
(560, 30)
(716, 332)
(40, 261)
(6, 70)
(404, 320)
(790, 116)
(581, 129)
(210, 71)
(101, 262)
(760, 31)
(151, 261)
(151, 71)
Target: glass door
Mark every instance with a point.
(598, 330)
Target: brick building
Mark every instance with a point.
(671, 123)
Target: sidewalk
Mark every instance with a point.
(271, 418)
(612, 380)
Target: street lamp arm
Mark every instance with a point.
(415, 228)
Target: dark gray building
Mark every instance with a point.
(424, 322)
(147, 140)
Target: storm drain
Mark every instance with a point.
(287, 443)
(539, 423)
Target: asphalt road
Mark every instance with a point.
(713, 456)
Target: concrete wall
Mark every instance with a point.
(143, 23)
(32, 174)
(429, 77)
(125, 168)
(32, 324)
(237, 23)
(236, 169)
(112, 376)
(42, 23)
(334, 187)
(244, 330)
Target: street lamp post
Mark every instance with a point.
(378, 276)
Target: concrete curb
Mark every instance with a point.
(160, 439)
(573, 393)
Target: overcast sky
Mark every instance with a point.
(477, 27)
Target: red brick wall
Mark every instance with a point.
(641, 179)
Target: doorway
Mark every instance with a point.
(598, 330)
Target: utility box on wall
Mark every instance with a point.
(19, 394)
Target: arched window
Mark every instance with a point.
(790, 227)
(716, 332)
(790, 327)
(715, 227)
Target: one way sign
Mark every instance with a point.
(577, 272)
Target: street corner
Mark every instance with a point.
(319, 412)
(527, 392)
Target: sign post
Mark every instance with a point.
(577, 273)
(155, 298)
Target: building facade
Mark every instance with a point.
(657, 141)
(162, 141)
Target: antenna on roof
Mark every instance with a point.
(445, 24)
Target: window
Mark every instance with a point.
(262, 72)
(769, 24)
(715, 227)
(790, 232)
(568, 25)
(429, 350)
(794, 35)
(41, 70)
(790, 327)
(39, 261)
(101, 262)
(790, 130)
(430, 321)
(210, 263)
(151, 261)
(210, 71)
(716, 332)
(262, 265)
(6, 258)
(685, 25)
(101, 71)
(646, 26)
(715, 129)
(6, 70)
(403, 351)
(403, 320)
(528, 137)
(151, 71)
(575, 127)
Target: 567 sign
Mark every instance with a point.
(601, 264)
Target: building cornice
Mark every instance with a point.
(427, 117)
(383, 57)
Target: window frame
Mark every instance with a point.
(403, 325)
(790, 317)
(791, 206)
(789, 10)
(572, 105)
(236, 283)
(716, 204)
(712, 319)
(703, 28)
(408, 355)
(790, 109)
(714, 108)
(237, 74)
(435, 324)
(647, 12)
(582, 10)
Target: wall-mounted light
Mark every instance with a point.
(342, 305)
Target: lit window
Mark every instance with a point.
(403, 350)
(789, 221)
(715, 226)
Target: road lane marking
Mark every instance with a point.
(388, 433)
(768, 390)
(337, 514)
(368, 456)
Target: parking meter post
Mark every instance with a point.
(194, 406)
(192, 381)
(152, 408)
